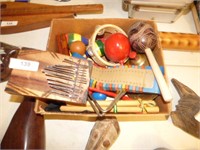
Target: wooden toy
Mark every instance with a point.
(117, 48)
(103, 134)
(187, 109)
(134, 79)
(77, 47)
(72, 37)
(91, 50)
(143, 39)
(99, 47)
(56, 76)
(62, 44)
(128, 106)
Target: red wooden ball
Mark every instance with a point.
(117, 47)
(77, 47)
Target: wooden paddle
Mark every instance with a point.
(18, 17)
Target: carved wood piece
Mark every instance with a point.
(58, 77)
(103, 134)
(180, 41)
(26, 129)
(188, 106)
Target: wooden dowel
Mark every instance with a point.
(196, 18)
(133, 109)
(120, 103)
(122, 106)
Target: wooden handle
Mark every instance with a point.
(26, 129)
(180, 41)
(17, 9)
(30, 22)
(159, 76)
(29, 16)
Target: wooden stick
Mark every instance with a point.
(121, 103)
(17, 9)
(30, 22)
(133, 109)
(196, 18)
(131, 106)
(30, 16)
(164, 89)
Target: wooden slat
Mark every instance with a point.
(17, 8)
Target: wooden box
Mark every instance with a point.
(86, 27)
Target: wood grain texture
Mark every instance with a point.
(30, 16)
(17, 8)
(188, 106)
(103, 134)
(36, 83)
(26, 129)
(30, 22)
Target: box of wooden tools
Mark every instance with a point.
(140, 105)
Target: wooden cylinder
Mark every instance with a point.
(26, 129)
